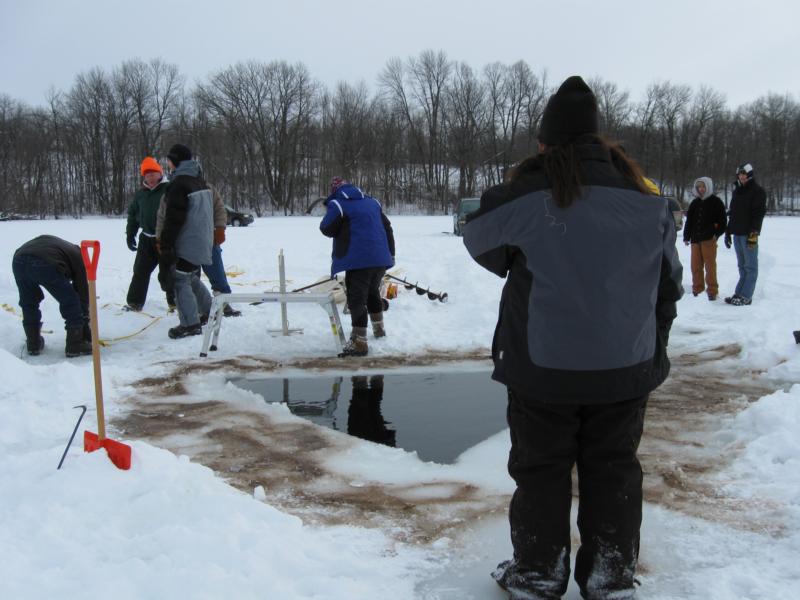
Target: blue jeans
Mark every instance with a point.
(216, 272)
(32, 274)
(747, 259)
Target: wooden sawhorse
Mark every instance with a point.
(326, 301)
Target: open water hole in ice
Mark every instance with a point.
(439, 415)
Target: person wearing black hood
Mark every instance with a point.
(593, 278)
(745, 216)
(705, 223)
(186, 239)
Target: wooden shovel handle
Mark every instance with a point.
(90, 262)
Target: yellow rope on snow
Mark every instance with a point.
(111, 341)
(10, 309)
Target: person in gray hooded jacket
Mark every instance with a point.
(186, 239)
(705, 223)
(593, 277)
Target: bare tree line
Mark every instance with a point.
(269, 136)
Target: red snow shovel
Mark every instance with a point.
(119, 453)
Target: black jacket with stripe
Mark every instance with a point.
(591, 288)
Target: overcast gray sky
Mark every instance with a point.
(741, 48)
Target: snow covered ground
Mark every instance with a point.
(172, 528)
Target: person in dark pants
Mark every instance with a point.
(142, 213)
(593, 278)
(745, 217)
(57, 266)
(363, 247)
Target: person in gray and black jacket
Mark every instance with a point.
(593, 277)
(186, 238)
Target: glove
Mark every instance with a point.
(132, 243)
(752, 240)
(687, 242)
(727, 240)
(219, 235)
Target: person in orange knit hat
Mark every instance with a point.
(142, 215)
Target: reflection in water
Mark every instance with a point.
(436, 415)
(321, 412)
(364, 418)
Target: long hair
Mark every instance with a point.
(563, 170)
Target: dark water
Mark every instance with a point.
(438, 415)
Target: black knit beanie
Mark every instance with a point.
(178, 153)
(570, 113)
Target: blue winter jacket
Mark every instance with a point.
(362, 235)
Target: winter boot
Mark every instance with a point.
(35, 341)
(377, 325)
(521, 583)
(229, 311)
(182, 331)
(357, 345)
(76, 344)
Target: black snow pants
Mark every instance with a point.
(364, 294)
(143, 265)
(602, 440)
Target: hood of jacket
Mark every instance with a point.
(346, 192)
(187, 167)
(709, 186)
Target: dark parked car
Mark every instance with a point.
(238, 219)
(465, 206)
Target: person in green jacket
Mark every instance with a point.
(142, 215)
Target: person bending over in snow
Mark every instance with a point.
(363, 247)
(56, 265)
